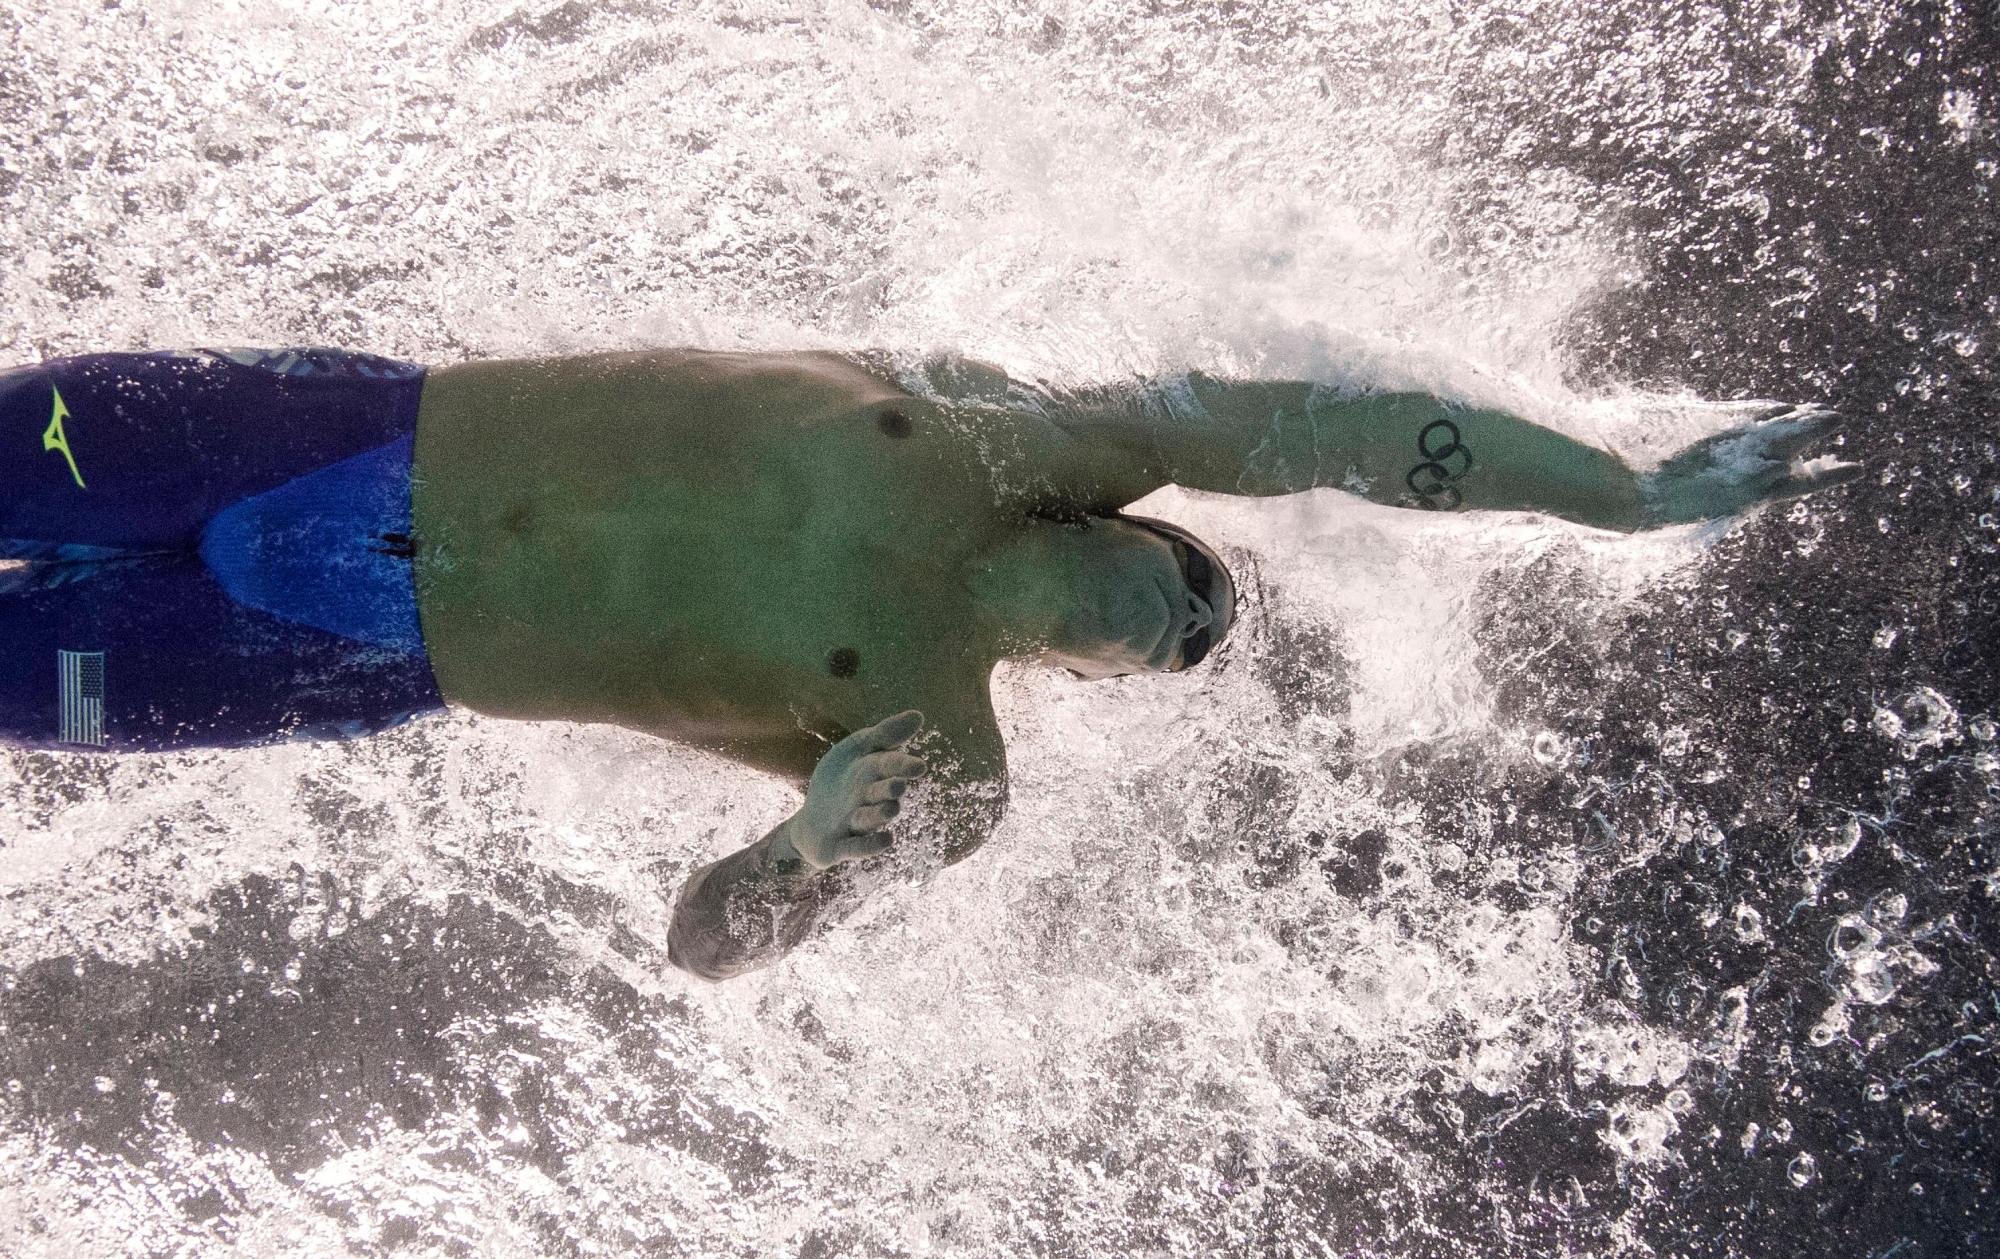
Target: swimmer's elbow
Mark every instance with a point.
(744, 912)
(967, 818)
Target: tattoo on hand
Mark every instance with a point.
(1432, 480)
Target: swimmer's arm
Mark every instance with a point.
(1414, 450)
(752, 907)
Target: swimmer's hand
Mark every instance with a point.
(856, 790)
(1726, 473)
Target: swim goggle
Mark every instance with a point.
(1203, 571)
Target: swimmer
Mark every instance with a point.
(803, 562)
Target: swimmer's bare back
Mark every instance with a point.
(763, 554)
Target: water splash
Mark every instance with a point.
(1466, 900)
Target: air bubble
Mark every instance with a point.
(1922, 718)
(1552, 749)
(1840, 841)
(1876, 1091)
(1749, 924)
(1802, 1170)
(1852, 936)
(1626, 978)
(1640, 1134)
(1830, 1025)
(1869, 981)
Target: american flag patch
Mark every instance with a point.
(82, 675)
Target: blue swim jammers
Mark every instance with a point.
(208, 548)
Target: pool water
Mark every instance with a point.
(1501, 887)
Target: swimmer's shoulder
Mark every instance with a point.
(970, 437)
(652, 387)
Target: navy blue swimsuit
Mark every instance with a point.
(208, 549)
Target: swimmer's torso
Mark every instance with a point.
(753, 554)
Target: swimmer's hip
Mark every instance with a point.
(208, 549)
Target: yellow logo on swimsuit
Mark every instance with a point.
(53, 438)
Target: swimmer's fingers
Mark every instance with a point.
(887, 776)
(1763, 410)
(1787, 475)
(889, 765)
(1731, 471)
(1750, 453)
(873, 817)
(884, 789)
(856, 790)
(891, 732)
(1807, 475)
(1794, 431)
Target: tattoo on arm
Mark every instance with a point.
(1432, 480)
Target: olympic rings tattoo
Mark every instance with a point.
(1431, 480)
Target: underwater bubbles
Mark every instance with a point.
(1840, 841)
(1916, 720)
(1552, 750)
(1639, 1134)
(1869, 981)
(1802, 1169)
(1831, 1025)
(1749, 924)
(1853, 936)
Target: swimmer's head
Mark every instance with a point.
(1149, 598)
(1206, 576)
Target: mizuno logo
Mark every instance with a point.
(53, 438)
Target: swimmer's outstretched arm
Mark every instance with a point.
(1414, 450)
